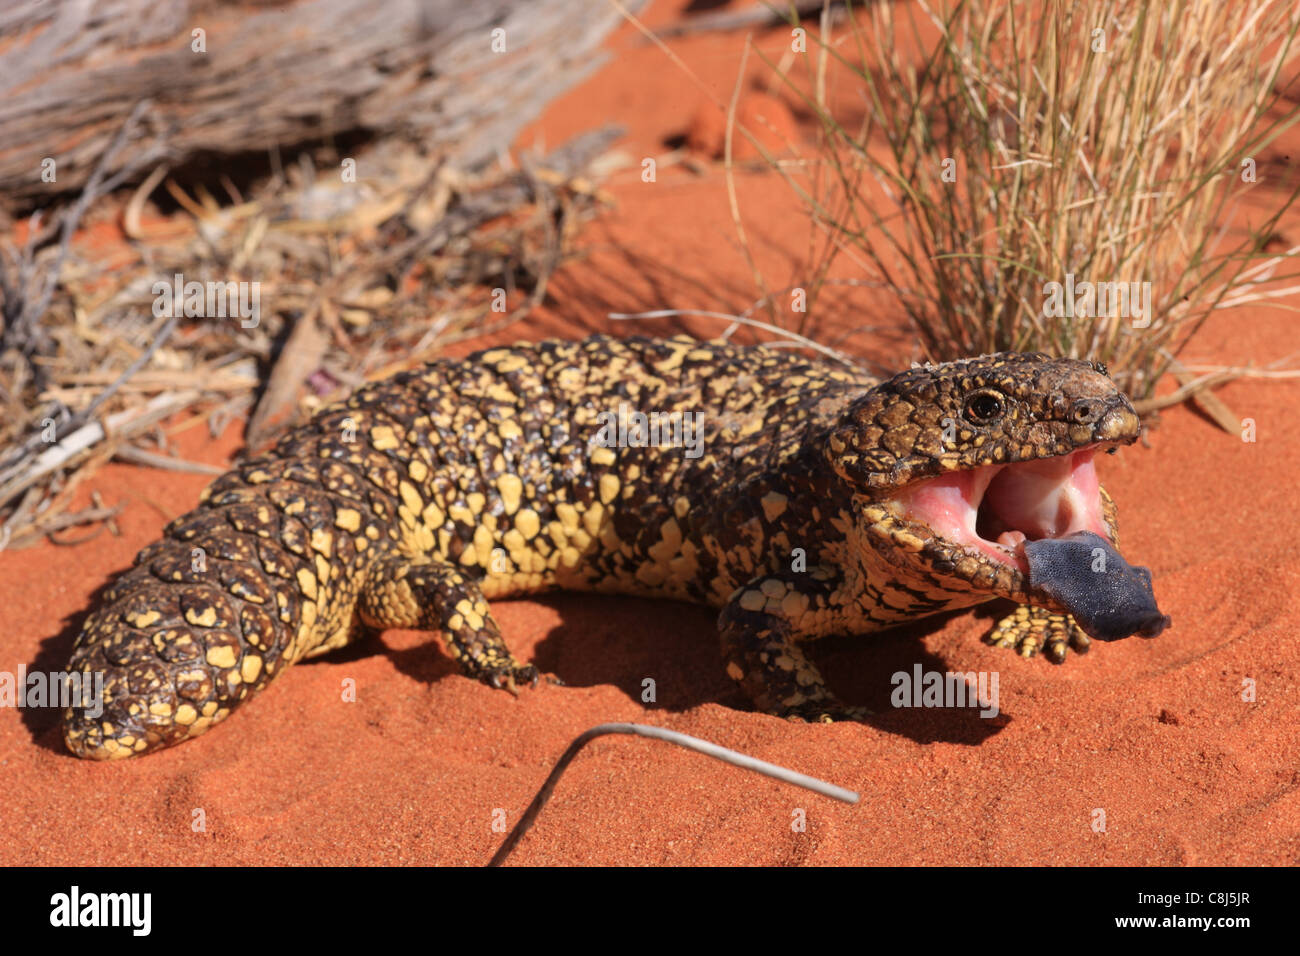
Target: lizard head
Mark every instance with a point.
(956, 466)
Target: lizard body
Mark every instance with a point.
(811, 500)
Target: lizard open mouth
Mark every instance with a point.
(1036, 528)
(995, 509)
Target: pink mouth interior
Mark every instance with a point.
(995, 509)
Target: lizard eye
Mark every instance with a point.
(984, 407)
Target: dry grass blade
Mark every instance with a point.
(301, 355)
(1199, 391)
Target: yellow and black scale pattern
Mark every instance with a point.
(427, 494)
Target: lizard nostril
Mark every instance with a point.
(1086, 411)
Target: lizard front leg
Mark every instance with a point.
(758, 626)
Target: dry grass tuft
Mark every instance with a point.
(1113, 142)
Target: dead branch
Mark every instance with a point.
(280, 73)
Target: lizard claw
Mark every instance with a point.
(513, 676)
(826, 712)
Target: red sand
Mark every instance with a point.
(1154, 733)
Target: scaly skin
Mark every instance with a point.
(424, 495)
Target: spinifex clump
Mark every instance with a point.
(984, 156)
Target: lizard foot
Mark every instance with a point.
(511, 675)
(1033, 629)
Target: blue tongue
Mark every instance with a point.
(1109, 597)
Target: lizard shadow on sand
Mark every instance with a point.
(623, 641)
